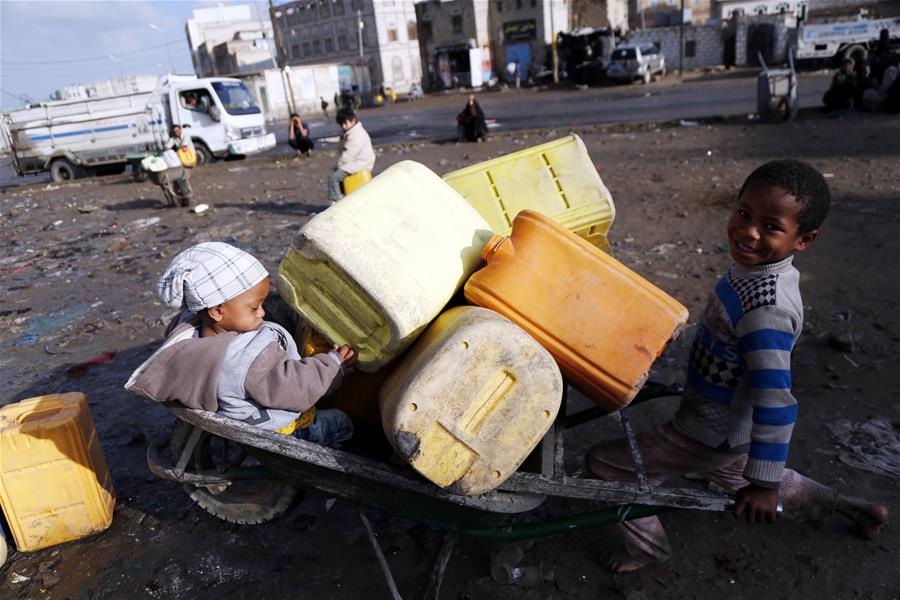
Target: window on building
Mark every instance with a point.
(338, 7)
(324, 9)
(690, 48)
(353, 39)
(356, 4)
(397, 68)
(295, 51)
(293, 17)
(305, 48)
(457, 24)
(342, 39)
(426, 30)
(533, 3)
(317, 47)
(329, 45)
(392, 33)
(500, 6)
(760, 10)
(411, 33)
(518, 4)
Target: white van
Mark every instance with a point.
(72, 137)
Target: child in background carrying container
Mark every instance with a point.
(219, 354)
(735, 421)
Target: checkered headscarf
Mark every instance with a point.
(207, 275)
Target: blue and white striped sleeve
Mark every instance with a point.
(766, 337)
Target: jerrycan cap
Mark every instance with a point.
(493, 246)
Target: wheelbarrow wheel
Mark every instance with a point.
(246, 502)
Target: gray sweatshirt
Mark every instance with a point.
(257, 377)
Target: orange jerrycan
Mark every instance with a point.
(54, 483)
(470, 400)
(603, 323)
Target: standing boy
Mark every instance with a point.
(736, 416)
(220, 355)
(357, 153)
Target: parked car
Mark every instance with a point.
(636, 61)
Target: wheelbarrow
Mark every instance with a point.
(776, 91)
(175, 185)
(248, 475)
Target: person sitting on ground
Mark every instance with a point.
(298, 136)
(844, 88)
(357, 153)
(471, 125)
(734, 424)
(220, 355)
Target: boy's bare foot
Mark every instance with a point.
(622, 562)
(867, 516)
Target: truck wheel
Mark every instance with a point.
(62, 169)
(856, 52)
(204, 156)
(247, 502)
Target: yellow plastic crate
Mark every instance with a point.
(54, 483)
(556, 179)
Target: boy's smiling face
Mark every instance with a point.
(764, 227)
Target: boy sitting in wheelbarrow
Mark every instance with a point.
(220, 355)
(737, 414)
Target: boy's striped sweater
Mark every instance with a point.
(739, 378)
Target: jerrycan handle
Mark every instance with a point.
(493, 246)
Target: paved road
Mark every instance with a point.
(434, 118)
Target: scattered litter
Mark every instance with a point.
(87, 208)
(329, 503)
(81, 368)
(752, 117)
(237, 169)
(684, 123)
(58, 223)
(828, 175)
(842, 341)
(709, 152)
(51, 187)
(16, 578)
(201, 208)
(872, 445)
(142, 223)
(51, 323)
(851, 361)
(662, 248)
(49, 351)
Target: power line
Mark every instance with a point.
(92, 58)
(19, 97)
(23, 70)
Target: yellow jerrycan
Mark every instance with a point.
(470, 400)
(54, 483)
(376, 268)
(603, 323)
(556, 179)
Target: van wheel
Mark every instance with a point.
(62, 169)
(246, 502)
(204, 156)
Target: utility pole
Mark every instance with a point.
(553, 49)
(279, 52)
(359, 30)
(681, 43)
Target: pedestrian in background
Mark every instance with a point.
(471, 125)
(298, 136)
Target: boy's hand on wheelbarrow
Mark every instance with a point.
(348, 357)
(757, 502)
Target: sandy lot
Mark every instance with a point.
(79, 263)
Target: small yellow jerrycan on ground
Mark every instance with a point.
(54, 483)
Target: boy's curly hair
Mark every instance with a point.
(803, 182)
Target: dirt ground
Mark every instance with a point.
(79, 263)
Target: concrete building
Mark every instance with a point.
(726, 9)
(600, 13)
(226, 40)
(455, 43)
(662, 13)
(380, 35)
(522, 32)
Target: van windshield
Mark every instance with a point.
(236, 98)
(624, 53)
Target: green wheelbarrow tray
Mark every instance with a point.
(505, 514)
